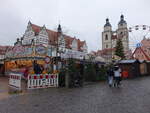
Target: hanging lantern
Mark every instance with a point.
(144, 27)
(130, 29)
(137, 27)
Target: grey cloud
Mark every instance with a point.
(81, 18)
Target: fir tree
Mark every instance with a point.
(119, 49)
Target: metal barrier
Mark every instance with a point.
(15, 80)
(42, 81)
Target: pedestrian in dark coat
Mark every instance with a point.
(36, 67)
(110, 74)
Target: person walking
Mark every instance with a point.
(117, 76)
(110, 74)
(36, 67)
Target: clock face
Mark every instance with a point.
(47, 59)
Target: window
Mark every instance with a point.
(106, 37)
(106, 46)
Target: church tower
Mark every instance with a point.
(61, 39)
(122, 32)
(106, 35)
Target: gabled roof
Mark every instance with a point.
(139, 48)
(53, 37)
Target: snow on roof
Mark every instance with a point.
(141, 61)
(127, 61)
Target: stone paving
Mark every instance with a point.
(4, 87)
(132, 97)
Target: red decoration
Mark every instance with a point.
(41, 76)
(29, 77)
(52, 76)
(46, 76)
(35, 77)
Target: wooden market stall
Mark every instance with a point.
(2, 68)
(130, 67)
(148, 67)
(143, 67)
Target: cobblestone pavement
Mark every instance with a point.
(132, 97)
(3, 87)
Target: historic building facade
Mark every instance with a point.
(3, 50)
(110, 37)
(61, 44)
(142, 52)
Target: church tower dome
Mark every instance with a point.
(122, 23)
(122, 32)
(107, 26)
(107, 23)
(106, 35)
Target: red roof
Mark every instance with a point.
(53, 37)
(146, 56)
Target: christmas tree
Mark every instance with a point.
(119, 49)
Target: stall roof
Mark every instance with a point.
(142, 61)
(127, 61)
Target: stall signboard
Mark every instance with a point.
(9, 54)
(47, 59)
(18, 51)
(40, 50)
(15, 80)
(49, 51)
(28, 51)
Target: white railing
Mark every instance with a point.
(42, 81)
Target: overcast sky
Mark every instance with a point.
(81, 18)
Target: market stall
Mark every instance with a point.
(130, 68)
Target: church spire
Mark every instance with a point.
(59, 30)
(107, 23)
(122, 21)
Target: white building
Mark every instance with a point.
(110, 37)
(61, 44)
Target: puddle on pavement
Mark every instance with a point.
(10, 92)
(4, 95)
(6, 91)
